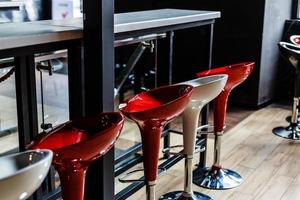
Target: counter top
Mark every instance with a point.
(13, 35)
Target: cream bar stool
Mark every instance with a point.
(205, 90)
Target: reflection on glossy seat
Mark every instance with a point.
(151, 111)
(205, 90)
(218, 177)
(295, 39)
(22, 173)
(76, 144)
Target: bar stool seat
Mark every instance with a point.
(76, 144)
(205, 89)
(291, 53)
(218, 177)
(22, 173)
(152, 110)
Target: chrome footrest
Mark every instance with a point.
(123, 179)
(207, 129)
(167, 150)
(200, 149)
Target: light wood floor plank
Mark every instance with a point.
(275, 188)
(293, 191)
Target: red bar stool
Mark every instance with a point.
(76, 144)
(205, 89)
(291, 53)
(152, 110)
(218, 177)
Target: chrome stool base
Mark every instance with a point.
(178, 195)
(290, 132)
(216, 178)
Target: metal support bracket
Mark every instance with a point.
(134, 58)
(49, 68)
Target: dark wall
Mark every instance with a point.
(276, 13)
(246, 31)
(190, 45)
(132, 5)
(238, 36)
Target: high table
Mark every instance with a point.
(23, 40)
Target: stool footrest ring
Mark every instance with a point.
(198, 149)
(167, 150)
(123, 179)
(208, 129)
(205, 129)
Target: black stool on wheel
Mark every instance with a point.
(291, 53)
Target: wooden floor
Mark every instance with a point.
(270, 165)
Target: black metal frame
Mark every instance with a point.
(205, 110)
(164, 74)
(164, 29)
(98, 87)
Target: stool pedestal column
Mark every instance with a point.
(217, 177)
(150, 132)
(75, 176)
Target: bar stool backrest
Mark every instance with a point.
(237, 73)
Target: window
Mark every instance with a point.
(77, 7)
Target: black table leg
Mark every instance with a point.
(98, 73)
(26, 100)
(164, 71)
(26, 104)
(205, 110)
(75, 76)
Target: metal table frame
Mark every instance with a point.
(92, 88)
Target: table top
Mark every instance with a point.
(14, 35)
